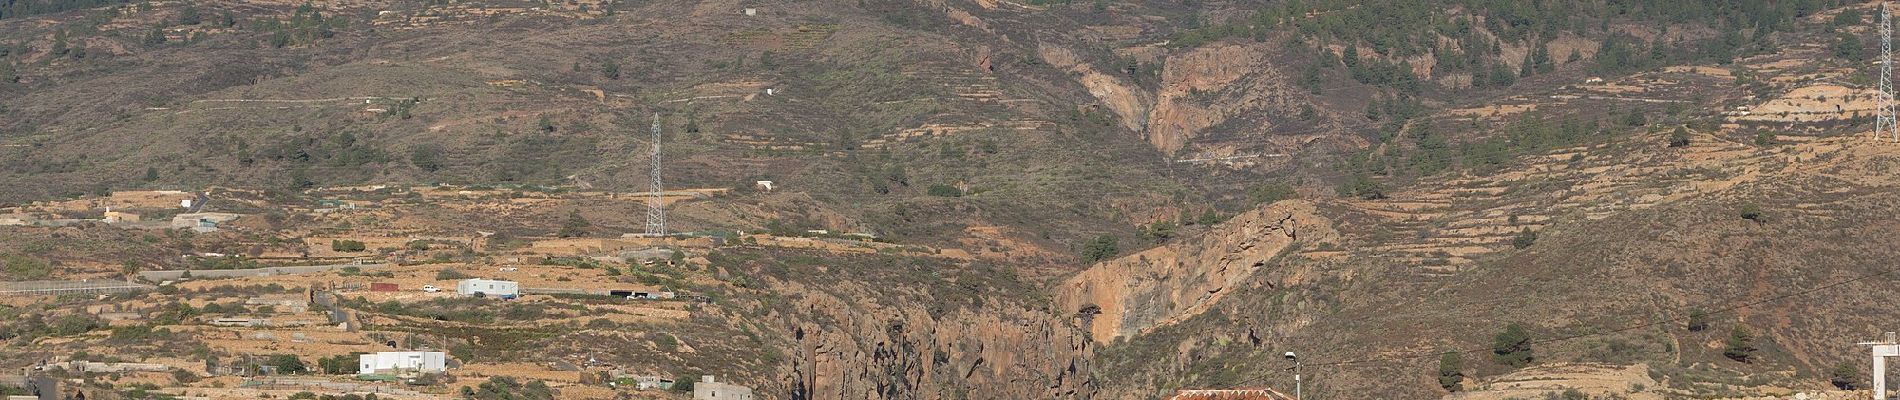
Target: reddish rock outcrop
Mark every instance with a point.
(1135, 293)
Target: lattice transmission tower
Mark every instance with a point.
(1884, 121)
(656, 207)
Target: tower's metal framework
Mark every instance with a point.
(1884, 121)
(656, 207)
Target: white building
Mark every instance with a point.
(401, 361)
(202, 222)
(488, 288)
(710, 389)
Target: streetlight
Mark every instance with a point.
(1296, 375)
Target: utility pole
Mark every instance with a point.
(1297, 392)
(1884, 118)
(1882, 349)
(656, 208)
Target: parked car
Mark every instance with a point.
(430, 289)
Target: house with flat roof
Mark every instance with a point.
(391, 362)
(709, 388)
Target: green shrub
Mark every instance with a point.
(575, 226)
(1698, 320)
(1525, 238)
(1271, 192)
(347, 246)
(666, 343)
(942, 190)
(1765, 138)
(1740, 345)
(1845, 375)
(339, 364)
(1512, 347)
(1102, 248)
(1364, 187)
(1451, 372)
(684, 383)
(610, 70)
(1679, 137)
(287, 364)
(1752, 212)
(22, 267)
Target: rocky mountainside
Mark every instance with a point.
(1371, 184)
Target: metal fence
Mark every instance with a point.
(69, 287)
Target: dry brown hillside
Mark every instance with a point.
(951, 199)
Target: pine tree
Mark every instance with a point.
(1540, 59)
(1740, 345)
(1513, 346)
(155, 37)
(1451, 372)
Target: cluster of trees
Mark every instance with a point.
(342, 149)
(1451, 372)
(575, 225)
(339, 364)
(1431, 152)
(429, 157)
(1270, 192)
(305, 26)
(31, 326)
(1102, 248)
(1379, 72)
(1512, 347)
(347, 246)
(21, 8)
(942, 190)
(8, 72)
(1391, 30)
(23, 267)
(402, 109)
(504, 388)
(189, 16)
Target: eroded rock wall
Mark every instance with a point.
(1134, 293)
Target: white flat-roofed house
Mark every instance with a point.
(401, 361)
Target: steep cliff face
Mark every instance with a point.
(934, 340)
(1122, 97)
(1133, 294)
(1205, 87)
(1224, 91)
